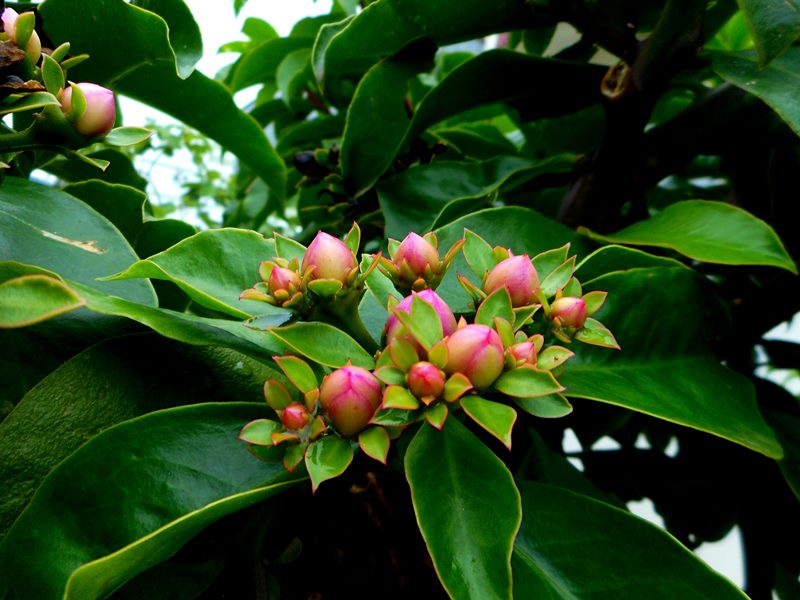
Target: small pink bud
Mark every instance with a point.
(518, 275)
(100, 113)
(295, 417)
(329, 257)
(476, 351)
(425, 380)
(523, 353)
(417, 253)
(446, 315)
(570, 311)
(34, 48)
(350, 396)
(281, 278)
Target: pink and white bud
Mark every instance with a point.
(518, 275)
(425, 380)
(571, 312)
(34, 48)
(295, 417)
(283, 279)
(445, 313)
(350, 396)
(523, 353)
(476, 351)
(101, 110)
(329, 258)
(418, 253)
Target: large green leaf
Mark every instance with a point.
(131, 497)
(467, 507)
(121, 204)
(416, 199)
(713, 232)
(213, 267)
(43, 226)
(260, 64)
(34, 298)
(665, 368)
(139, 61)
(324, 344)
(184, 34)
(774, 25)
(572, 547)
(106, 384)
(776, 84)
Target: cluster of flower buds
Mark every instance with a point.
(432, 363)
(415, 264)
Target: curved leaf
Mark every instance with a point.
(165, 477)
(184, 34)
(774, 25)
(121, 204)
(324, 344)
(30, 299)
(459, 487)
(571, 546)
(713, 232)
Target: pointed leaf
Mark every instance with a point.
(399, 397)
(496, 304)
(375, 443)
(30, 299)
(393, 417)
(550, 406)
(327, 458)
(774, 25)
(527, 382)
(127, 136)
(298, 372)
(597, 334)
(558, 278)
(259, 432)
(498, 419)
(478, 253)
(436, 415)
(324, 344)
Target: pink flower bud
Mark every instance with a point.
(570, 311)
(476, 351)
(446, 315)
(523, 353)
(350, 396)
(417, 253)
(295, 417)
(34, 48)
(281, 278)
(100, 113)
(425, 380)
(518, 275)
(329, 257)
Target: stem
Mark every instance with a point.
(19, 140)
(345, 312)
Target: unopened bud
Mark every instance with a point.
(570, 311)
(425, 380)
(101, 111)
(295, 417)
(329, 258)
(476, 351)
(283, 279)
(523, 353)
(350, 396)
(34, 46)
(518, 275)
(445, 313)
(417, 253)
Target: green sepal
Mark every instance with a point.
(496, 304)
(549, 406)
(595, 333)
(505, 330)
(403, 353)
(374, 442)
(393, 245)
(52, 75)
(127, 136)
(558, 278)
(298, 371)
(455, 387)
(436, 415)
(498, 419)
(23, 28)
(293, 456)
(393, 417)
(438, 354)
(476, 293)
(552, 357)
(527, 382)
(325, 288)
(259, 432)
(573, 288)
(594, 301)
(276, 394)
(353, 238)
(77, 102)
(396, 396)
(523, 314)
(547, 261)
(73, 61)
(478, 253)
(327, 458)
(390, 375)
(288, 248)
(59, 53)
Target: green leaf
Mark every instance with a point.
(299, 373)
(667, 353)
(595, 333)
(259, 432)
(375, 443)
(713, 232)
(120, 204)
(498, 419)
(52, 75)
(327, 458)
(213, 267)
(120, 169)
(775, 84)
(398, 397)
(43, 226)
(184, 34)
(478, 254)
(394, 417)
(127, 136)
(30, 299)
(324, 344)
(146, 71)
(572, 546)
(261, 63)
(458, 486)
(496, 304)
(32, 101)
(619, 258)
(558, 278)
(527, 382)
(167, 476)
(550, 406)
(774, 25)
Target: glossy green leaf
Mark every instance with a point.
(775, 84)
(120, 204)
(52, 75)
(127, 136)
(549, 406)
(146, 71)
(666, 368)
(619, 258)
(571, 546)
(261, 64)
(393, 417)
(120, 169)
(30, 299)
(713, 232)
(165, 477)
(774, 25)
(32, 101)
(478, 253)
(374, 442)
(498, 419)
(259, 432)
(458, 486)
(527, 382)
(299, 372)
(43, 226)
(327, 458)
(184, 34)
(324, 344)
(213, 267)
(399, 398)
(496, 304)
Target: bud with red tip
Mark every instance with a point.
(350, 396)
(518, 275)
(283, 282)
(33, 48)
(523, 353)
(477, 352)
(328, 257)
(425, 380)
(415, 264)
(295, 417)
(570, 312)
(446, 316)
(100, 113)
